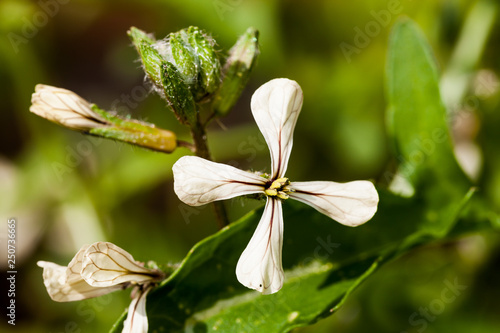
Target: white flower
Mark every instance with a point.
(275, 106)
(99, 269)
(65, 108)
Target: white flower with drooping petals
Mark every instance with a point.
(275, 106)
(99, 269)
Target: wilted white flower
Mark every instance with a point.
(275, 106)
(65, 108)
(99, 269)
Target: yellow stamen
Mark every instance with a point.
(278, 188)
(278, 183)
(283, 195)
(271, 192)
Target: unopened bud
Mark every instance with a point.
(178, 95)
(210, 71)
(236, 71)
(65, 108)
(150, 57)
(184, 58)
(137, 36)
(194, 56)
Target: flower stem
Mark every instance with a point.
(201, 149)
(185, 144)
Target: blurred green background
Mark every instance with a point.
(66, 189)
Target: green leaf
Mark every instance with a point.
(323, 261)
(418, 123)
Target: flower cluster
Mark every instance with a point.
(103, 267)
(275, 106)
(99, 269)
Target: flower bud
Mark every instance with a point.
(209, 69)
(194, 57)
(65, 108)
(138, 36)
(184, 58)
(236, 72)
(150, 57)
(178, 95)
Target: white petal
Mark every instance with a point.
(351, 203)
(75, 266)
(276, 106)
(137, 319)
(64, 107)
(105, 264)
(259, 266)
(198, 181)
(65, 284)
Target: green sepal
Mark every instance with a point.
(150, 57)
(185, 59)
(236, 71)
(209, 64)
(138, 36)
(178, 95)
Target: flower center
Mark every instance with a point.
(278, 188)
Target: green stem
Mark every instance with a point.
(201, 149)
(185, 144)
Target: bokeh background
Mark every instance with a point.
(66, 189)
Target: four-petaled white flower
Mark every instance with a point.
(275, 106)
(99, 269)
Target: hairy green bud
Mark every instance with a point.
(236, 71)
(195, 58)
(178, 95)
(184, 58)
(209, 64)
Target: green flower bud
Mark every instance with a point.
(184, 58)
(150, 57)
(195, 58)
(178, 95)
(236, 72)
(138, 36)
(158, 59)
(209, 63)
(152, 61)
